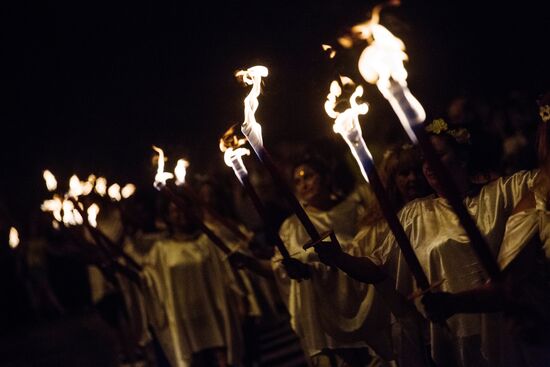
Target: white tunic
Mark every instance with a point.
(445, 254)
(331, 310)
(189, 305)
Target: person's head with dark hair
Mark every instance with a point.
(453, 147)
(312, 182)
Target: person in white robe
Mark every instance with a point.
(335, 317)
(442, 245)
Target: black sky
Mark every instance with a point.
(89, 86)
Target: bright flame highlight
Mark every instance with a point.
(101, 186)
(347, 124)
(250, 127)
(14, 237)
(114, 192)
(381, 63)
(75, 187)
(128, 190)
(93, 211)
(181, 171)
(71, 216)
(51, 182)
(161, 176)
(54, 205)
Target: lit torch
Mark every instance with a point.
(93, 211)
(381, 63)
(160, 184)
(231, 145)
(128, 190)
(51, 182)
(13, 237)
(101, 186)
(347, 125)
(252, 130)
(114, 192)
(180, 172)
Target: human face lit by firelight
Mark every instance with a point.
(308, 184)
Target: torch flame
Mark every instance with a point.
(101, 186)
(381, 63)
(71, 216)
(114, 192)
(348, 120)
(161, 176)
(55, 206)
(14, 237)
(51, 182)
(253, 76)
(128, 190)
(75, 187)
(330, 50)
(181, 171)
(231, 140)
(92, 211)
(347, 123)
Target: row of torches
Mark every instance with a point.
(381, 63)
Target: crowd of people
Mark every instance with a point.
(156, 276)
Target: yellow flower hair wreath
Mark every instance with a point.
(439, 126)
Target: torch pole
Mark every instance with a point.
(241, 174)
(403, 103)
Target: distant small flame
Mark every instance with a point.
(128, 190)
(51, 182)
(330, 50)
(14, 237)
(55, 224)
(71, 216)
(55, 206)
(92, 212)
(161, 176)
(75, 187)
(101, 186)
(252, 76)
(181, 171)
(114, 192)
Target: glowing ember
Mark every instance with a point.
(181, 171)
(51, 182)
(161, 176)
(128, 190)
(92, 212)
(250, 127)
(14, 238)
(101, 186)
(114, 192)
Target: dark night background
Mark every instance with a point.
(90, 86)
